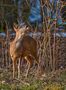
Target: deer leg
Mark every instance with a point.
(29, 64)
(19, 68)
(13, 69)
(27, 69)
(14, 64)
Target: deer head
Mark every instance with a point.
(20, 30)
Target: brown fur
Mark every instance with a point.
(23, 46)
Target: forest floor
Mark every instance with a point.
(48, 81)
(55, 80)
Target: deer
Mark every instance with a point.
(23, 46)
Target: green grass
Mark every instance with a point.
(39, 85)
(17, 87)
(7, 83)
(54, 87)
(5, 87)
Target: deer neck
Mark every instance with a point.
(18, 38)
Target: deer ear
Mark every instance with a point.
(15, 26)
